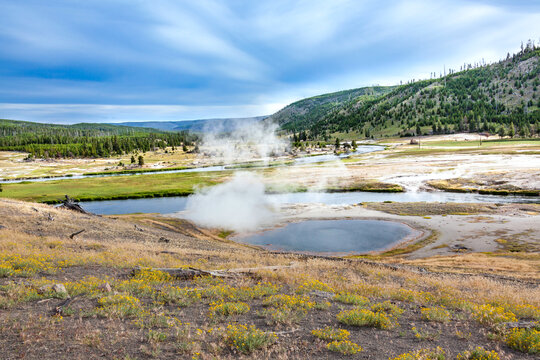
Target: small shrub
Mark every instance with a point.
(490, 315)
(228, 308)
(388, 308)
(344, 347)
(330, 333)
(247, 339)
(478, 354)
(257, 291)
(351, 298)
(362, 317)
(288, 301)
(325, 305)
(423, 354)
(524, 340)
(435, 314)
(152, 276)
(314, 285)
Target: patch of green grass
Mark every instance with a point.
(116, 187)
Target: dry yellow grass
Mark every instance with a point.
(116, 242)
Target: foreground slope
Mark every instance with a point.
(107, 311)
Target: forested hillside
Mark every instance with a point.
(83, 140)
(499, 98)
(302, 114)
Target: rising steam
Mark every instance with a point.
(239, 204)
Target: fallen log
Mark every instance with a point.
(70, 204)
(190, 273)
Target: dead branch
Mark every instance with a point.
(76, 233)
(59, 310)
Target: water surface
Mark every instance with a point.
(174, 204)
(331, 236)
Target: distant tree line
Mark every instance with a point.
(84, 140)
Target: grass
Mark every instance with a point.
(468, 186)
(109, 188)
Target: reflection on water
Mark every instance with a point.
(331, 236)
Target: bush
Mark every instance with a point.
(330, 333)
(344, 347)
(478, 354)
(435, 314)
(490, 315)
(388, 308)
(524, 340)
(362, 317)
(351, 298)
(247, 339)
(228, 308)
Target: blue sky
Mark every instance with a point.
(134, 60)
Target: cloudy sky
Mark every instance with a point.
(133, 60)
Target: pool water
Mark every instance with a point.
(332, 236)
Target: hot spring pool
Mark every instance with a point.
(332, 236)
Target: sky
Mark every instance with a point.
(158, 60)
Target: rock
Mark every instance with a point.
(59, 289)
(43, 289)
(164, 240)
(521, 324)
(106, 287)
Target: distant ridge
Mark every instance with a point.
(204, 125)
(502, 97)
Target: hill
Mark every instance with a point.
(82, 140)
(302, 114)
(206, 125)
(500, 98)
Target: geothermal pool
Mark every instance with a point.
(332, 236)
